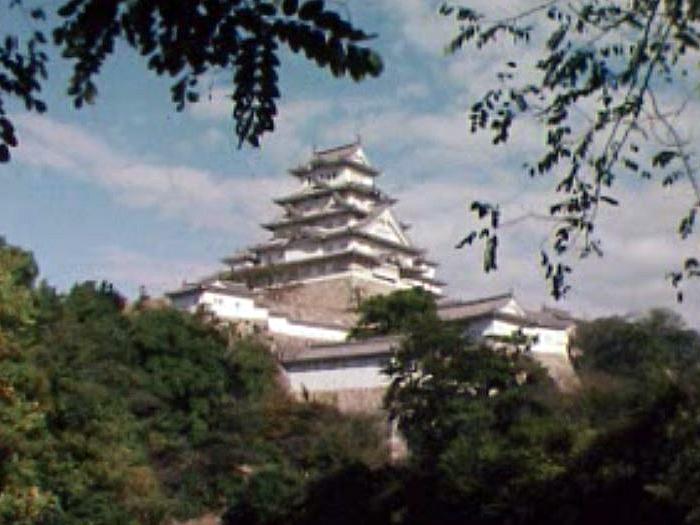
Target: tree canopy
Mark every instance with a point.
(183, 40)
(114, 415)
(609, 82)
(393, 313)
(491, 440)
(133, 415)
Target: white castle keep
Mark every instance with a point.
(335, 242)
(338, 224)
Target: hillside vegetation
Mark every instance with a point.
(109, 416)
(123, 416)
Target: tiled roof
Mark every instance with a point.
(325, 257)
(325, 189)
(550, 318)
(374, 347)
(337, 153)
(341, 210)
(215, 285)
(490, 306)
(239, 256)
(338, 156)
(459, 310)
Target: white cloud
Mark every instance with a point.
(425, 29)
(214, 138)
(197, 197)
(293, 125)
(215, 104)
(129, 270)
(639, 241)
(420, 24)
(447, 172)
(432, 163)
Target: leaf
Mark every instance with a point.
(69, 9)
(490, 254)
(469, 239)
(311, 9)
(289, 7)
(691, 263)
(662, 158)
(609, 200)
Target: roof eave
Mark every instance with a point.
(302, 171)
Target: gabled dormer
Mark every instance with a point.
(385, 226)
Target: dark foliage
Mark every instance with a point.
(182, 40)
(394, 313)
(135, 416)
(492, 442)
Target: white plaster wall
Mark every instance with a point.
(549, 341)
(387, 272)
(512, 308)
(500, 328)
(412, 283)
(230, 307)
(382, 230)
(428, 271)
(320, 376)
(349, 175)
(300, 253)
(281, 325)
(361, 202)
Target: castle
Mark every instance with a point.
(335, 242)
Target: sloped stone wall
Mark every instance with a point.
(328, 301)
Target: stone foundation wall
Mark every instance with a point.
(328, 301)
(351, 400)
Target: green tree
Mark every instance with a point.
(657, 342)
(481, 428)
(23, 497)
(492, 441)
(638, 403)
(183, 40)
(606, 85)
(114, 415)
(99, 467)
(393, 313)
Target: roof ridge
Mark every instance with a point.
(462, 302)
(356, 144)
(358, 342)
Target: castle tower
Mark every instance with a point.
(336, 226)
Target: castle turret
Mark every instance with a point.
(337, 224)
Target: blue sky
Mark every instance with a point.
(131, 191)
